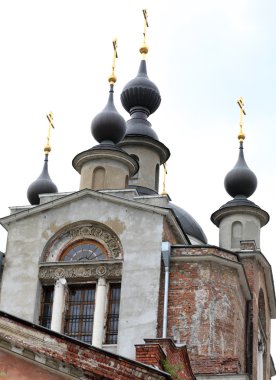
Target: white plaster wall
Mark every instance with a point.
(19, 282)
(140, 282)
(140, 232)
(148, 159)
(251, 229)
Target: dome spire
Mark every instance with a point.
(43, 184)
(144, 47)
(240, 181)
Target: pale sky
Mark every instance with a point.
(56, 55)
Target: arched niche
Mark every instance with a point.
(236, 234)
(98, 178)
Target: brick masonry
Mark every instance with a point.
(36, 350)
(207, 310)
(258, 285)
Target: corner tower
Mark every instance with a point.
(240, 220)
(140, 98)
(43, 184)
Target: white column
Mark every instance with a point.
(58, 305)
(98, 326)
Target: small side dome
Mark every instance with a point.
(141, 92)
(108, 125)
(189, 224)
(42, 185)
(240, 181)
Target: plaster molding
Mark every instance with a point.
(83, 230)
(74, 272)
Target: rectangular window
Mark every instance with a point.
(112, 321)
(46, 306)
(80, 313)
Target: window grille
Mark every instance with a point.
(84, 251)
(80, 313)
(46, 306)
(112, 321)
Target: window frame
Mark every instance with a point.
(73, 305)
(111, 337)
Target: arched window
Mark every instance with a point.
(84, 250)
(157, 177)
(136, 175)
(81, 267)
(262, 338)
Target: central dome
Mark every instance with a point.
(189, 224)
(141, 92)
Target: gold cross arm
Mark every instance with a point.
(145, 13)
(50, 119)
(114, 42)
(241, 105)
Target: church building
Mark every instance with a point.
(114, 281)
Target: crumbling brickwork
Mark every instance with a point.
(258, 310)
(39, 350)
(207, 309)
(165, 355)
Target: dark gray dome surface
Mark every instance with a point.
(141, 92)
(239, 200)
(240, 180)
(140, 127)
(188, 223)
(42, 185)
(108, 125)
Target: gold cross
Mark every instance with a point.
(50, 118)
(112, 79)
(144, 48)
(241, 135)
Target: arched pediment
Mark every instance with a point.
(83, 230)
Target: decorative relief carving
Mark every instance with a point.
(53, 272)
(86, 230)
(97, 232)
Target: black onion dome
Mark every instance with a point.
(42, 185)
(141, 92)
(188, 223)
(240, 181)
(108, 125)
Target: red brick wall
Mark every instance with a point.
(256, 279)
(165, 355)
(207, 311)
(57, 350)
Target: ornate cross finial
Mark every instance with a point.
(112, 79)
(47, 148)
(241, 135)
(164, 192)
(144, 48)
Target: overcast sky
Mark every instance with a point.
(56, 55)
